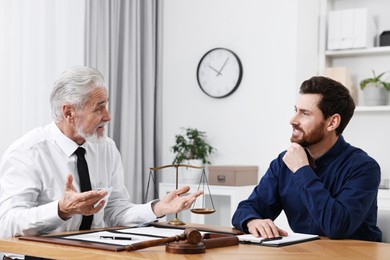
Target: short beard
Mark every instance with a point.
(312, 138)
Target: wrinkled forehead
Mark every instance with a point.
(97, 97)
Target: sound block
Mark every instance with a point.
(183, 247)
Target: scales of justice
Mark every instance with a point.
(203, 183)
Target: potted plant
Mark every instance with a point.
(192, 148)
(375, 90)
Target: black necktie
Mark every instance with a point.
(85, 183)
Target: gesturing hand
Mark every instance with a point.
(173, 202)
(265, 228)
(79, 203)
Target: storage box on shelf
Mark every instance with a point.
(231, 175)
(350, 28)
(384, 38)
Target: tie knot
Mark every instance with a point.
(80, 152)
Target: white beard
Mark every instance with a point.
(94, 137)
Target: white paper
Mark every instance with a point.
(98, 237)
(291, 238)
(136, 235)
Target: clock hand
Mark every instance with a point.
(223, 65)
(218, 73)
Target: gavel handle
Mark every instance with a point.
(156, 242)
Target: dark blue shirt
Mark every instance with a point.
(337, 199)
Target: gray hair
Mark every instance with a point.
(73, 87)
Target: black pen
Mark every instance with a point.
(115, 238)
(271, 239)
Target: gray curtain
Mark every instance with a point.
(122, 42)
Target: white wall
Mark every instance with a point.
(278, 48)
(39, 39)
(277, 44)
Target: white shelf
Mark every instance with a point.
(358, 52)
(372, 109)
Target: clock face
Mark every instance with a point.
(219, 72)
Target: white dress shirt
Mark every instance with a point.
(33, 173)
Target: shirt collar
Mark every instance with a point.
(336, 149)
(67, 145)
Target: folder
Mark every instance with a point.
(293, 238)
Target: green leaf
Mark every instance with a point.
(191, 145)
(376, 80)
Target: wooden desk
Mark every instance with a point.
(323, 248)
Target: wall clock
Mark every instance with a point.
(219, 72)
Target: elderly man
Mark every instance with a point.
(68, 175)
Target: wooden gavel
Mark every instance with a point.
(191, 235)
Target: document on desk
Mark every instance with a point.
(279, 241)
(126, 236)
(109, 239)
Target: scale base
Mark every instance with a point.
(176, 222)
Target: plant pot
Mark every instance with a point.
(375, 95)
(191, 175)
